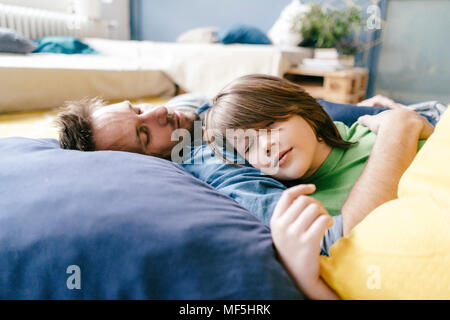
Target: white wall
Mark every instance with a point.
(59, 5)
(118, 11)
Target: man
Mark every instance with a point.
(89, 125)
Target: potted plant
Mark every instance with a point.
(330, 29)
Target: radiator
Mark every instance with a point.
(36, 23)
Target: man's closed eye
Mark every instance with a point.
(145, 136)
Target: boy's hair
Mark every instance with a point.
(254, 101)
(74, 124)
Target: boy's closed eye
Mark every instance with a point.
(249, 145)
(271, 123)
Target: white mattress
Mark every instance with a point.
(134, 69)
(41, 81)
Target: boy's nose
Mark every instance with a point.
(268, 148)
(272, 147)
(270, 144)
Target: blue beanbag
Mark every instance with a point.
(116, 225)
(64, 45)
(242, 33)
(12, 42)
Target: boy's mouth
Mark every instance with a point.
(283, 157)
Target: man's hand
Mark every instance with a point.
(381, 101)
(392, 118)
(298, 224)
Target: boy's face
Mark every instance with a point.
(290, 149)
(145, 128)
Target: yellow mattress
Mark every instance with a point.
(40, 124)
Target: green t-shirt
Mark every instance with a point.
(337, 175)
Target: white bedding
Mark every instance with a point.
(134, 69)
(206, 67)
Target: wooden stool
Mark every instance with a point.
(343, 86)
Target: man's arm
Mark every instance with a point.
(381, 101)
(398, 132)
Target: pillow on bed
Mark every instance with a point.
(242, 33)
(64, 45)
(402, 249)
(198, 35)
(12, 42)
(283, 32)
(125, 226)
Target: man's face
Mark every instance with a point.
(145, 128)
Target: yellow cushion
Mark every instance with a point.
(402, 249)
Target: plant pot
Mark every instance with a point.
(348, 60)
(326, 53)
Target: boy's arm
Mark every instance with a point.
(298, 224)
(398, 132)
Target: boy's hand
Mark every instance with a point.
(392, 119)
(298, 224)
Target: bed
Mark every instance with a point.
(206, 67)
(42, 81)
(132, 70)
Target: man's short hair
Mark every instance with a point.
(74, 124)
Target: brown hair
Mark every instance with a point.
(254, 101)
(75, 124)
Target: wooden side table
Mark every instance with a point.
(342, 86)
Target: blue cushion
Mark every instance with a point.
(138, 227)
(242, 33)
(12, 42)
(65, 45)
